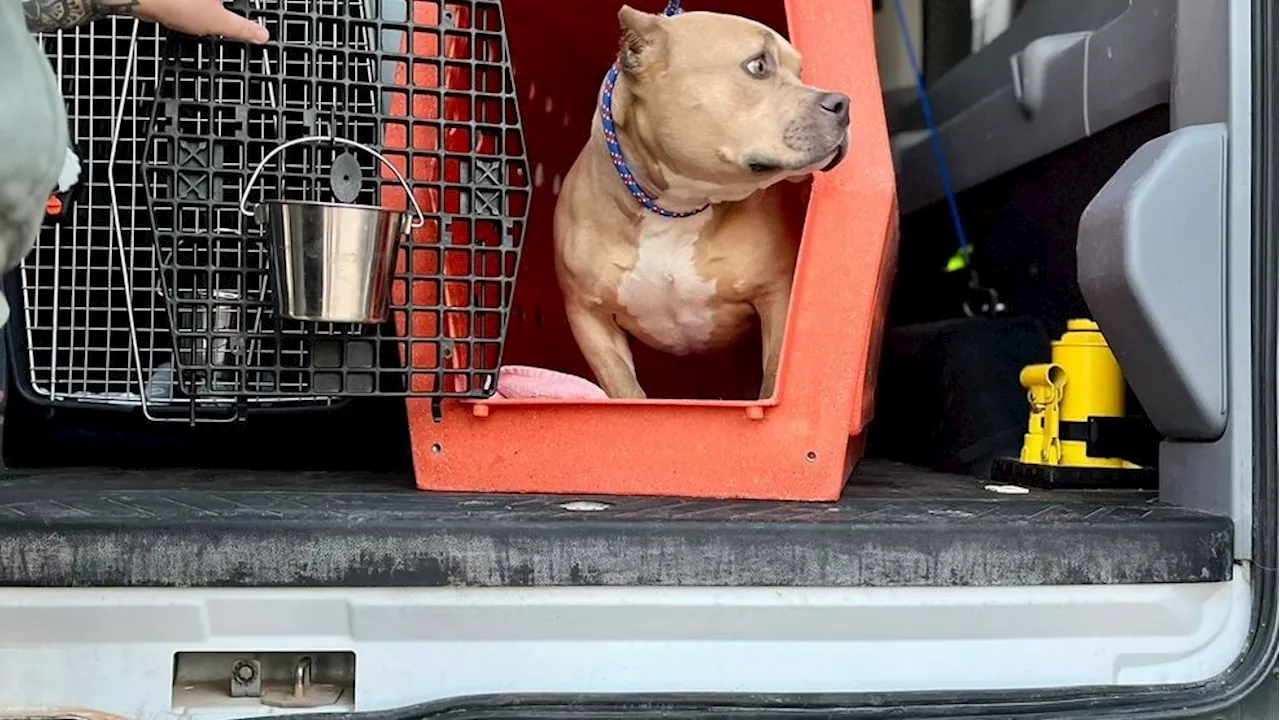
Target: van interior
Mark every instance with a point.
(1040, 179)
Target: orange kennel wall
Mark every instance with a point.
(702, 433)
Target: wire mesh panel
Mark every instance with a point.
(380, 73)
(92, 327)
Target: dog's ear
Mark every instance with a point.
(642, 38)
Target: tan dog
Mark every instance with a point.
(681, 242)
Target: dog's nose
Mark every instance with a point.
(837, 103)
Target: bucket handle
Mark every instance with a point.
(417, 222)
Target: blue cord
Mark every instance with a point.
(934, 138)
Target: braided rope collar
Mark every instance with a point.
(627, 177)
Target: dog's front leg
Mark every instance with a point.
(605, 347)
(772, 309)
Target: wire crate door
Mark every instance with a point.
(427, 84)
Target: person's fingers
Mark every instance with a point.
(231, 26)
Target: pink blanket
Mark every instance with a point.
(521, 382)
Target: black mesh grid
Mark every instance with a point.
(427, 83)
(90, 326)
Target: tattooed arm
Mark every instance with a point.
(193, 17)
(51, 15)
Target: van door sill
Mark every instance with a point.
(896, 526)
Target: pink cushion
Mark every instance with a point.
(521, 382)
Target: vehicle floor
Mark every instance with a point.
(873, 479)
(895, 526)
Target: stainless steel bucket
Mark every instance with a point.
(333, 262)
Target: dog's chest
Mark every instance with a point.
(665, 296)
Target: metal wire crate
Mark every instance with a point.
(429, 85)
(90, 327)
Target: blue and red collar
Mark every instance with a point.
(627, 177)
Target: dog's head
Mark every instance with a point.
(721, 100)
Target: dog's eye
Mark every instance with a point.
(757, 66)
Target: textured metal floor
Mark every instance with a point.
(873, 480)
(896, 527)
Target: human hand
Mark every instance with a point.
(201, 18)
(193, 17)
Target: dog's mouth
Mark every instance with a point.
(841, 150)
(763, 165)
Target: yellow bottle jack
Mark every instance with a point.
(1077, 431)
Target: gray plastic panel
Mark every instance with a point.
(1060, 89)
(1201, 72)
(1218, 476)
(1152, 267)
(987, 71)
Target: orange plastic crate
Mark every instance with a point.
(798, 445)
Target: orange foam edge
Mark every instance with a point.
(798, 445)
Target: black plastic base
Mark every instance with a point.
(1054, 477)
(896, 526)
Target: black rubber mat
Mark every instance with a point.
(895, 527)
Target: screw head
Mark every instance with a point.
(244, 671)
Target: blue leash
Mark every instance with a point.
(625, 174)
(982, 300)
(961, 259)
